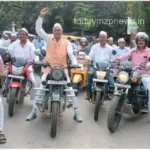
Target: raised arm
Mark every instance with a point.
(39, 30)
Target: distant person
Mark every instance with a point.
(84, 46)
(74, 46)
(13, 38)
(5, 41)
(38, 43)
(121, 50)
(94, 40)
(111, 42)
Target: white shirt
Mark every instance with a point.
(27, 52)
(101, 54)
(5, 43)
(46, 37)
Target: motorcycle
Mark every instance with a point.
(130, 97)
(100, 86)
(54, 95)
(79, 75)
(40, 54)
(6, 58)
(18, 86)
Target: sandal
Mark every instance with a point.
(2, 138)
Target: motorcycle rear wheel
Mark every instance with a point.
(114, 114)
(54, 117)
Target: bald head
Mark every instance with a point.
(57, 31)
(103, 33)
(103, 38)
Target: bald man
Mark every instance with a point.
(101, 53)
(56, 55)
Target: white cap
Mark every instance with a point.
(121, 40)
(83, 39)
(25, 30)
(57, 25)
(103, 33)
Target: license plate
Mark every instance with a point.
(56, 82)
(100, 80)
(122, 85)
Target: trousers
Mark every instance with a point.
(39, 98)
(32, 79)
(146, 83)
(1, 115)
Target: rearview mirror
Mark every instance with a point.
(113, 52)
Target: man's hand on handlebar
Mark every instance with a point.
(147, 67)
(115, 61)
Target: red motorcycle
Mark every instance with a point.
(18, 85)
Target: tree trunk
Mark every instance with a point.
(82, 33)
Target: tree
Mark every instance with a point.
(83, 15)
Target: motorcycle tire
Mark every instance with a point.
(21, 101)
(98, 96)
(12, 101)
(114, 114)
(54, 116)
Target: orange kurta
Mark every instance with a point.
(56, 54)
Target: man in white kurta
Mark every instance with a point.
(24, 49)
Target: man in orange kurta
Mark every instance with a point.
(56, 55)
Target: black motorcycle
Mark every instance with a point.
(130, 97)
(100, 87)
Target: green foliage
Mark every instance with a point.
(25, 13)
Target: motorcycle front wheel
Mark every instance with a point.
(12, 101)
(97, 97)
(115, 114)
(54, 117)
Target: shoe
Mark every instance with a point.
(144, 111)
(31, 116)
(77, 117)
(88, 96)
(4, 93)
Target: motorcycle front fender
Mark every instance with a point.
(15, 85)
(118, 93)
(99, 87)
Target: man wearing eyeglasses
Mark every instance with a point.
(121, 50)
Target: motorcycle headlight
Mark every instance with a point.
(17, 70)
(57, 74)
(123, 77)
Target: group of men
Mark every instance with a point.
(56, 55)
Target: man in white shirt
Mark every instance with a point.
(5, 42)
(24, 49)
(100, 53)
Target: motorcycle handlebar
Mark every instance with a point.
(48, 65)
